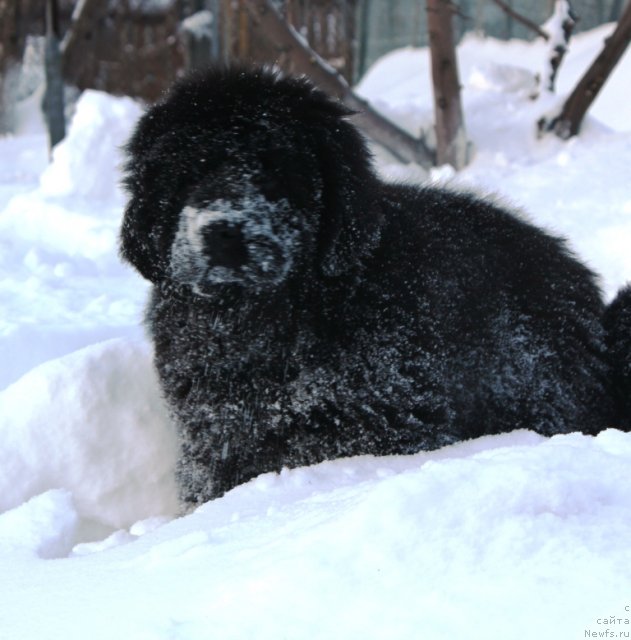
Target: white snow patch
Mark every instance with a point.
(200, 24)
(91, 148)
(93, 423)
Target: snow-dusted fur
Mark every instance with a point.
(303, 310)
(617, 323)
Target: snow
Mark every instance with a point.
(512, 536)
(48, 422)
(199, 24)
(63, 286)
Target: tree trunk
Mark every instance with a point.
(451, 140)
(568, 123)
(9, 47)
(54, 96)
(292, 47)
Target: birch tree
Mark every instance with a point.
(568, 122)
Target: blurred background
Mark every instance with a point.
(138, 47)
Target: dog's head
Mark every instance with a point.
(246, 177)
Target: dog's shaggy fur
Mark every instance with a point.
(303, 310)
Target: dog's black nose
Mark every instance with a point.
(224, 245)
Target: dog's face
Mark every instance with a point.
(244, 180)
(233, 230)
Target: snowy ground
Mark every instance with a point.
(512, 536)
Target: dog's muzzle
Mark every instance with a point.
(251, 242)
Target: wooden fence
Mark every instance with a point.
(139, 47)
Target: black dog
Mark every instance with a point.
(303, 310)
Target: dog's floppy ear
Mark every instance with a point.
(138, 246)
(351, 211)
(155, 197)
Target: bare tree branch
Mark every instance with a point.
(522, 19)
(291, 45)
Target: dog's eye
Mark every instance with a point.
(269, 179)
(270, 186)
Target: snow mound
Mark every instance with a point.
(508, 536)
(62, 285)
(93, 423)
(44, 527)
(86, 163)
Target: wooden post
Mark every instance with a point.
(54, 97)
(197, 36)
